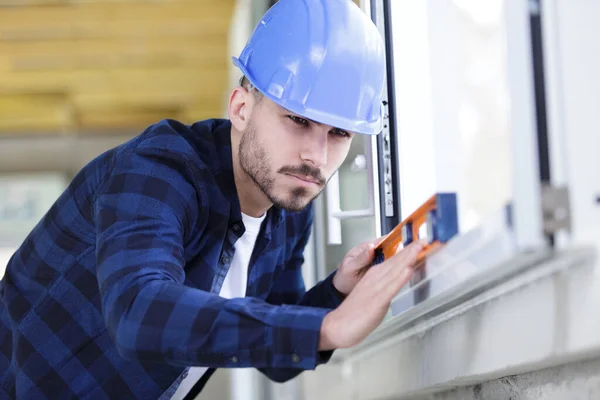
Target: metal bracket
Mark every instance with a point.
(387, 166)
(556, 209)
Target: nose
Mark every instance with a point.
(314, 148)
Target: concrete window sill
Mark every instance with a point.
(534, 310)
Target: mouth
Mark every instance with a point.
(304, 179)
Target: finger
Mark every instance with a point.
(363, 258)
(373, 243)
(403, 261)
(368, 254)
(377, 241)
(410, 253)
(389, 272)
(360, 250)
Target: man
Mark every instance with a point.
(180, 251)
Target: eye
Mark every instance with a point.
(340, 133)
(298, 121)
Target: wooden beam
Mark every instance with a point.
(34, 112)
(114, 121)
(125, 11)
(171, 100)
(208, 82)
(113, 53)
(123, 99)
(58, 113)
(112, 64)
(190, 115)
(38, 3)
(181, 27)
(116, 20)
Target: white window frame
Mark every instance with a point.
(507, 242)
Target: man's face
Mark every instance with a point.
(288, 157)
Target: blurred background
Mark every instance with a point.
(79, 77)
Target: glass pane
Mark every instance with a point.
(354, 177)
(354, 195)
(453, 106)
(354, 231)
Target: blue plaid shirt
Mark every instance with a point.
(113, 294)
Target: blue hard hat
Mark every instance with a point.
(321, 59)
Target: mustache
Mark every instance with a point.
(304, 169)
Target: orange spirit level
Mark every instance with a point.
(438, 215)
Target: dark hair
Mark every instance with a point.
(245, 83)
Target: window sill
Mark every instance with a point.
(532, 311)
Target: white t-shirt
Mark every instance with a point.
(234, 285)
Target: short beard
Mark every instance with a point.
(255, 162)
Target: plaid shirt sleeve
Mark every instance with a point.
(144, 211)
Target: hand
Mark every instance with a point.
(365, 307)
(354, 265)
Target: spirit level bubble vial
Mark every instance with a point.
(438, 215)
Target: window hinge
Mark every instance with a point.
(556, 209)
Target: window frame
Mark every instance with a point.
(517, 228)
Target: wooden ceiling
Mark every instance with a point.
(76, 66)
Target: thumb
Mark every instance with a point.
(368, 251)
(377, 241)
(359, 256)
(366, 254)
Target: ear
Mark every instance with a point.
(240, 107)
